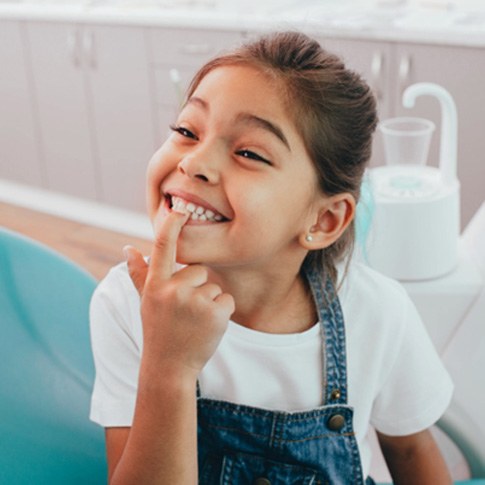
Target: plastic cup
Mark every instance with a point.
(406, 140)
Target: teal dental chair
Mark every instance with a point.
(46, 369)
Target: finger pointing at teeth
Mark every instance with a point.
(163, 254)
(184, 314)
(163, 257)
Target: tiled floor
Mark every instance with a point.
(91, 247)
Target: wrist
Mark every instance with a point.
(169, 375)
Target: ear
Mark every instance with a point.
(334, 216)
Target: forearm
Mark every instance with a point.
(415, 459)
(184, 317)
(162, 444)
(420, 470)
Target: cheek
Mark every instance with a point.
(157, 163)
(157, 170)
(152, 189)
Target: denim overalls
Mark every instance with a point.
(243, 445)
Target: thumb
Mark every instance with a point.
(137, 267)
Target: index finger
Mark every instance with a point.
(164, 250)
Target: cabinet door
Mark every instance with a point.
(61, 93)
(189, 47)
(118, 73)
(372, 60)
(183, 51)
(169, 96)
(461, 70)
(19, 158)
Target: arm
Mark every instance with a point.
(414, 459)
(161, 445)
(183, 319)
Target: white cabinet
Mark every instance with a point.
(60, 92)
(390, 67)
(19, 155)
(122, 113)
(92, 90)
(180, 53)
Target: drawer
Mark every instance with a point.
(190, 47)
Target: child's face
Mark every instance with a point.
(236, 152)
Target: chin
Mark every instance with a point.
(187, 256)
(193, 257)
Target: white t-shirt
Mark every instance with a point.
(396, 381)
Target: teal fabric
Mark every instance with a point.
(46, 370)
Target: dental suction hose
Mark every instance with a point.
(449, 125)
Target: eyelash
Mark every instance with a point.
(243, 153)
(253, 156)
(183, 131)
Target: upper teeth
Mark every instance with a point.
(197, 212)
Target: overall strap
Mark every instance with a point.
(333, 337)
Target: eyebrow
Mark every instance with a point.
(248, 119)
(198, 101)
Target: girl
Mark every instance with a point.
(266, 358)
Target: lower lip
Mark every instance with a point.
(192, 222)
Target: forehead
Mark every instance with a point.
(244, 88)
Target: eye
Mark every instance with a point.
(253, 156)
(183, 131)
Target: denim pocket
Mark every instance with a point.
(246, 469)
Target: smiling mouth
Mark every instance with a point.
(197, 212)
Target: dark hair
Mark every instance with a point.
(332, 107)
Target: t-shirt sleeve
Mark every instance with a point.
(417, 388)
(115, 340)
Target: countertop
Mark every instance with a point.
(391, 21)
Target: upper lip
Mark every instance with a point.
(194, 199)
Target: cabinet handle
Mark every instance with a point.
(196, 49)
(88, 45)
(404, 73)
(376, 70)
(73, 48)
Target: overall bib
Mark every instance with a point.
(244, 445)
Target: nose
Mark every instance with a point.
(201, 166)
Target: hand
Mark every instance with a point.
(184, 316)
